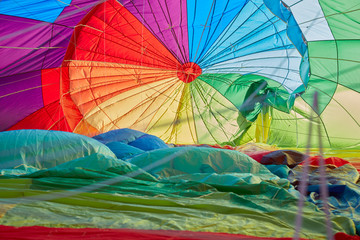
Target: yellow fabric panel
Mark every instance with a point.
(131, 109)
(174, 120)
(262, 123)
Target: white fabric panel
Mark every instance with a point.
(281, 66)
(311, 19)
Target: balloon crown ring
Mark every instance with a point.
(188, 72)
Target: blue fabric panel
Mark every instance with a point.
(278, 9)
(148, 143)
(123, 151)
(295, 35)
(344, 200)
(256, 29)
(210, 20)
(43, 10)
(124, 135)
(293, 29)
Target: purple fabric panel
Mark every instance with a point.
(77, 10)
(27, 45)
(21, 32)
(20, 42)
(167, 20)
(59, 42)
(28, 40)
(20, 95)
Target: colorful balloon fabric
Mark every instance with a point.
(195, 71)
(196, 189)
(143, 118)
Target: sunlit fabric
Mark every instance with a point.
(187, 71)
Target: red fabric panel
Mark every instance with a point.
(36, 232)
(344, 236)
(71, 112)
(334, 161)
(258, 156)
(50, 81)
(223, 147)
(50, 117)
(111, 33)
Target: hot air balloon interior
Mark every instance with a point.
(179, 119)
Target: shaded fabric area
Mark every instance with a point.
(197, 189)
(123, 151)
(134, 138)
(342, 178)
(344, 192)
(290, 158)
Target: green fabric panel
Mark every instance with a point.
(292, 130)
(295, 135)
(228, 85)
(239, 90)
(349, 62)
(339, 125)
(188, 160)
(213, 190)
(323, 60)
(324, 73)
(325, 91)
(332, 63)
(287, 130)
(93, 166)
(207, 213)
(216, 118)
(336, 61)
(343, 18)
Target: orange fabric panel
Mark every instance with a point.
(92, 83)
(110, 52)
(71, 112)
(86, 128)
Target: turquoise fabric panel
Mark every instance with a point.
(40, 149)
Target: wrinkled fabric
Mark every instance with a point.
(344, 193)
(185, 188)
(290, 158)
